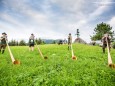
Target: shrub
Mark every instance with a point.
(113, 45)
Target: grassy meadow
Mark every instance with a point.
(90, 68)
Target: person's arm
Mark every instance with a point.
(29, 40)
(1, 37)
(102, 39)
(6, 38)
(71, 39)
(109, 40)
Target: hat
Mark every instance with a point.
(32, 34)
(4, 33)
(69, 33)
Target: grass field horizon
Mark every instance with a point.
(90, 68)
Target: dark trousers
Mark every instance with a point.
(2, 48)
(69, 46)
(104, 46)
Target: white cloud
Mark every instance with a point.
(10, 20)
(112, 22)
(100, 10)
(70, 5)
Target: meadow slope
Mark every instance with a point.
(90, 68)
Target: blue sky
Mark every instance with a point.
(54, 19)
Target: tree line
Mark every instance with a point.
(24, 43)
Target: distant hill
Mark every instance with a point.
(50, 41)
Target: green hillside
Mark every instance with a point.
(90, 68)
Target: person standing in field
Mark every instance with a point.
(3, 44)
(31, 42)
(69, 41)
(104, 40)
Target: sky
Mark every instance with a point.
(54, 19)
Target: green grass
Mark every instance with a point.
(90, 68)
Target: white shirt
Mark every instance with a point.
(32, 37)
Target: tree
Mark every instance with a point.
(100, 30)
(43, 42)
(54, 42)
(17, 43)
(22, 43)
(12, 43)
(39, 41)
